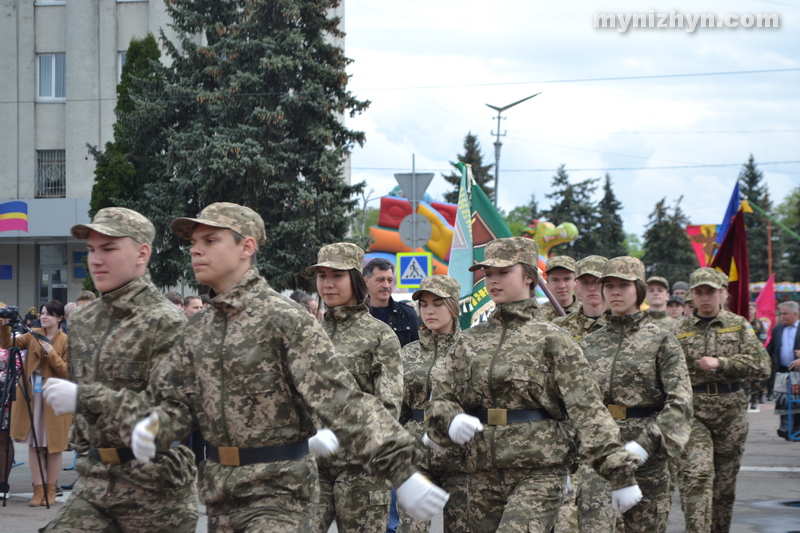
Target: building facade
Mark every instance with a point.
(60, 62)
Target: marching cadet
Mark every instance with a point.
(588, 319)
(116, 341)
(522, 377)
(642, 374)
(721, 351)
(437, 299)
(370, 350)
(657, 296)
(561, 270)
(249, 372)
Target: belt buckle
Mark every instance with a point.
(497, 417)
(109, 456)
(716, 389)
(618, 412)
(229, 456)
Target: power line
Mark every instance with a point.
(581, 80)
(609, 169)
(677, 132)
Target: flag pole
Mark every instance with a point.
(547, 292)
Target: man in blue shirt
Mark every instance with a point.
(784, 347)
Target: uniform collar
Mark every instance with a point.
(344, 315)
(124, 298)
(626, 322)
(519, 311)
(657, 314)
(427, 337)
(233, 300)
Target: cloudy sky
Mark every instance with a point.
(429, 68)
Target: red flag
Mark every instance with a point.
(765, 307)
(702, 237)
(731, 259)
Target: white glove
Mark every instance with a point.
(324, 443)
(624, 499)
(635, 447)
(569, 489)
(430, 444)
(463, 428)
(422, 499)
(143, 438)
(62, 395)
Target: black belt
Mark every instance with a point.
(418, 414)
(716, 388)
(233, 456)
(620, 412)
(502, 417)
(111, 456)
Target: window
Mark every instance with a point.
(120, 63)
(51, 174)
(52, 78)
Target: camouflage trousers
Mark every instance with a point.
(114, 505)
(711, 460)
(519, 500)
(275, 514)
(455, 512)
(567, 521)
(356, 500)
(648, 516)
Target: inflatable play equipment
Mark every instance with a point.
(547, 235)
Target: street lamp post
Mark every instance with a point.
(498, 144)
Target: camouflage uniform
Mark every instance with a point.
(579, 325)
(445, 469)
(547, 311)
(516, 361)
(115, 342)
(662, 319)
(711, 460)
(251, 369)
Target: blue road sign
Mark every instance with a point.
(412, 268)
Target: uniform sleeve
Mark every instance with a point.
(387, 365)
(405, 408)
(171, 372)
(448, 379)
(360, 422)
(598, 433)
(670, 430)
(752, 363)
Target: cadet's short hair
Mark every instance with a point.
(380, 264)
(189, 299)
(174, 297)
(85, 296)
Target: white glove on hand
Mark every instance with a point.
(62, 395)
(624, 499)
(143, 438)
(569, 489)
(324, 443)
(635, 447)
(430, 444)
(422, 499)
(463, 428)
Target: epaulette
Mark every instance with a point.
(684, 335)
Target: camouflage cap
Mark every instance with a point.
(561, 261)
(235, 217)
(676, 300)
(723, 277)
(508, 252)
(441, 286)
(624, 267)
(340, 256)
(688, 298)
(705, 276)
(592, 265)
(659, 280)
(118, 222)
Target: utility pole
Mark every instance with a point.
(498, 144)
(769, 239)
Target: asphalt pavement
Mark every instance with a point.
(767, 489)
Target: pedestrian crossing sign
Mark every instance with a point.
(412, 268)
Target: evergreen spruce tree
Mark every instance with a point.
(573, 203)
(753, 188)
(253, 115)
(609, 234)
(472, 156)
(522, 215)
(787, 246)
(668, 250)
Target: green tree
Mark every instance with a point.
(753, 187)
(667, 249)
(472, 156)
(633, 246)
(609, 233)
(572, 202)
(522, 215)
(254, 115)
(787, 246)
